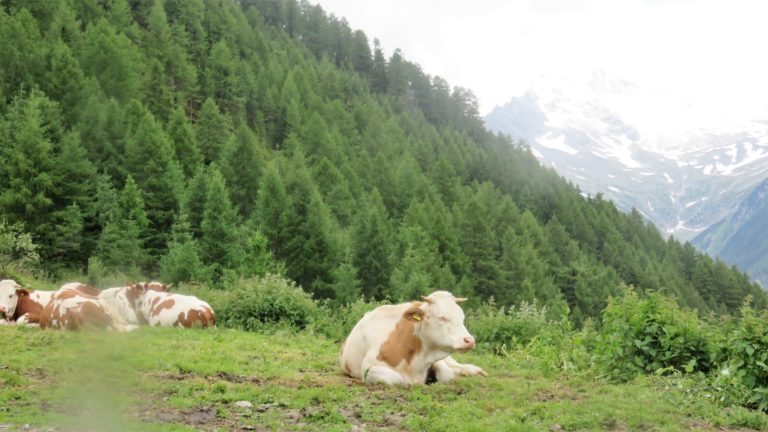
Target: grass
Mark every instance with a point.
(182, 380)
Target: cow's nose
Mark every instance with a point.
(469, 341)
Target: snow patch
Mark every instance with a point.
(669, 179)
(613, 189)
(556, 143)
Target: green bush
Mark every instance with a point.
(652, 335)
(270, 301)
(336, 322)
(499, 328)
(743, 375)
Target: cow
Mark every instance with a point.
(19, 305)
(166, 309)
(76, 306)
(407, 343)
(125, 303)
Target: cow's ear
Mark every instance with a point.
(21, 292)
(414, 314)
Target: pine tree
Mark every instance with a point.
(186, 148)
(273, 210)
(182, 262)
(311, 251)
(113, 59)
(220, 247)
(28, 172)
(372, 246)
(121, 245)
(241, 166)
(150, 160)
(212, 130)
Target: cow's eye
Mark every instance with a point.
(443, 319)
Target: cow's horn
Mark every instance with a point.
(427, 299)
(461, 299)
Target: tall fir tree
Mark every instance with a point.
(372, 246)
(150, 160)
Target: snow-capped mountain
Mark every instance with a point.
(682, 168)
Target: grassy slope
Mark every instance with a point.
(171, 379)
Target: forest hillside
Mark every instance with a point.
(215, 140)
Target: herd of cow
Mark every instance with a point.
(75, 306)
(408, 343)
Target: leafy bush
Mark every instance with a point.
(651, 335)
(218, 299)
(500, 328)
(336, 322)
(16, 247)
(743, 376)
(272, 300)
(99, 275)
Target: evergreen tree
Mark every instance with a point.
(273, 210)
(212, 130)
(185, 145)
(372, 246)
(150, 160)
(28, 173)
(121, 245)
(220, 247)
(113, 59)
(311, 251)
(182, 262)
(241, 166)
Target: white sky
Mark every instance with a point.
(711, 53)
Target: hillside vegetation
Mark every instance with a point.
(213, 141)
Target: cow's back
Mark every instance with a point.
(74, 307)
(176, 310)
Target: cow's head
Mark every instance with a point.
(157, 286)
(135, 292)
(9, 297)
(440, 322)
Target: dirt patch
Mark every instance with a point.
(557, 393)
(700, 425)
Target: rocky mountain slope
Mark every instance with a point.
(683, 177)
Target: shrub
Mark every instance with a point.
(498, 328)
(336, 322)
(262, 302)
(743, 375)
(651, 335)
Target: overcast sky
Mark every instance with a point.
(710, 53)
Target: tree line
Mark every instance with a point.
(211, 140)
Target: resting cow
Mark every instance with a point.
(19, 305)
(166, 309)
(75, 306)
(125, 303)
(402, 344)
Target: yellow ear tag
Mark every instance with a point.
(416, 317)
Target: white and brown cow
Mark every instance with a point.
(76, 306)
(19, 305)
(125, 303)
(402, 344)
(166, 309)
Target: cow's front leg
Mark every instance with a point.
(383, 374)
(459, 369)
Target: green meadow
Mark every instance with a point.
(163, 379)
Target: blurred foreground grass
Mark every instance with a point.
(179, 380)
